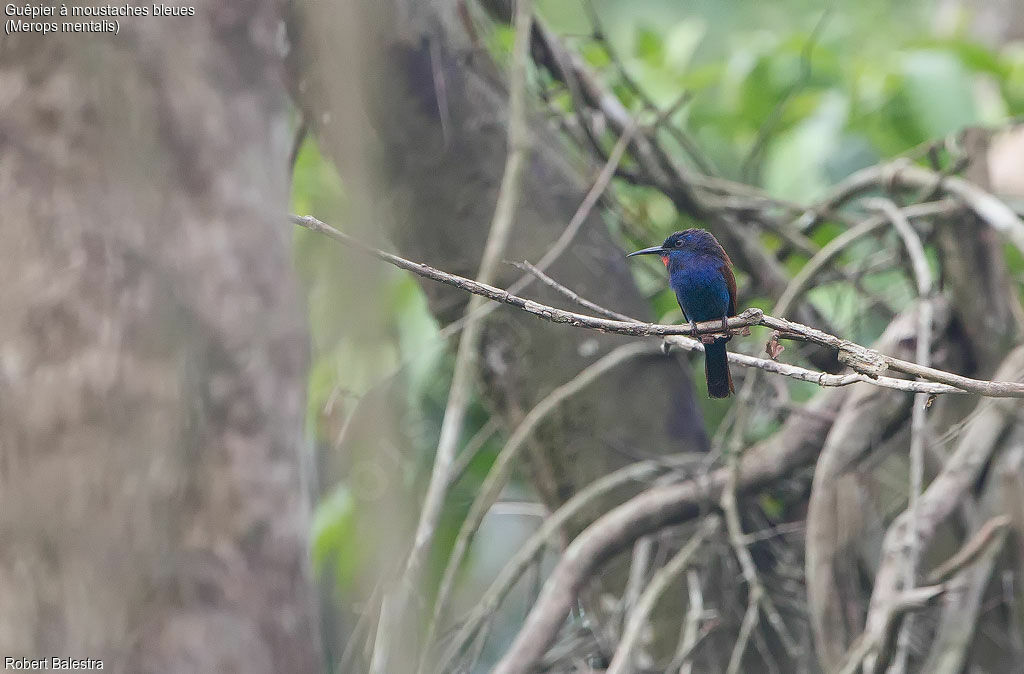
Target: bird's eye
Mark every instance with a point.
(679, 243)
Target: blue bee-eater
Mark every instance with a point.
(700, 273)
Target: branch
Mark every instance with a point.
(497, 476)
(808, 272)
(796, 444)
(694, 612)
(990, 532)
(460, 391)
(867, 645)
(758, 598)
(923, 275)
(943, 495)
(835, 512)
(621, 661)
(571, 294)
(564, 239)
(533, 546)
(863, 360)
(962, 610)
(991, 210)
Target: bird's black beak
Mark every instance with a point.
(653, 250)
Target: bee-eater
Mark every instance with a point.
(700, 274)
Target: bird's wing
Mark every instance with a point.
(730, 282)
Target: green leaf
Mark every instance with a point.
(648, 46)
(795, 166)
(937, 93)
(334, 538)
(596, 55)
(682, 41)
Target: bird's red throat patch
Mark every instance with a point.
(664, 260)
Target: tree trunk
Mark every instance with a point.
(152, 351)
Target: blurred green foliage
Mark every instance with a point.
(399, 346)
(787, 96)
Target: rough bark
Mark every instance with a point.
(152, 351)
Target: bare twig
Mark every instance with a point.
(746, 628)
(571, 294)
(962, 605)
(923, 276)
(802, 280)
(757, 597)
(755, 590)
(835, 521)
(533, 546)
(472, 448)
(688, 144)
(639, 565)
(565, 238)
(940, 498)
(621, 661)
(989, 534)
(694, 613)
(499, 472)
(364, 625)
(459, 393)
(823, 379)
(867, 645)
(795, 444)
(298, 139)
(901, 172)
(862, 359)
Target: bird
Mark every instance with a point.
(700, 274)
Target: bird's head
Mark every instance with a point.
(690, 241)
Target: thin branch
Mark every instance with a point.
(533, 546)
(990, 533)
(621, 661)
(746, 628)
(923, 276)
(690, 146)
(823, 379)
(868, 644)
(963, 603)
(941, 498)
(795, 444)
(862, 359)
(565, 238)
(901, 172)
(639, 565)
(472, 448)
(299, 137)
(570, 294)
(460, 391)
(820, 261)
(500, 470)
(363, 627)
(755, 590)
(757, 597)
(694, 612)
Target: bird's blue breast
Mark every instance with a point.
(699, 285)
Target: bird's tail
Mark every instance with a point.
(716, 370)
